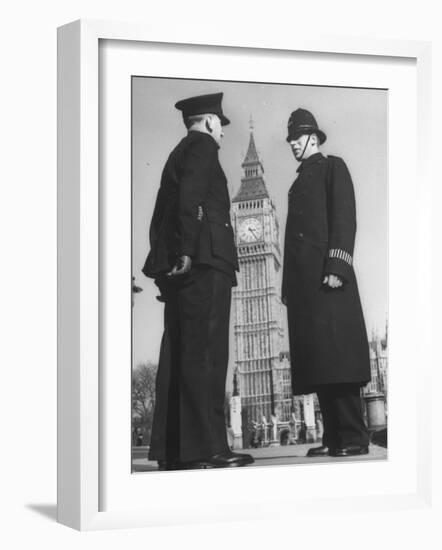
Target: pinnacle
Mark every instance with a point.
(252, 154)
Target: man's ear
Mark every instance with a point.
(209, 123)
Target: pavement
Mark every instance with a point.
(270, 456)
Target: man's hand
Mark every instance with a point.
(183, 265)
(333, 281)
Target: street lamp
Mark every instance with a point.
(135, 290)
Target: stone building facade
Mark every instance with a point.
(375, 393)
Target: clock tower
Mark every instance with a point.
(262, 370)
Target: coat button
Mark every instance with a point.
(227, 225)
(300, 235)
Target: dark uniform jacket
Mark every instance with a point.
(192, 210)
(328, 339)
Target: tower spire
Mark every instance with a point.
(252, 183)
(252, 158)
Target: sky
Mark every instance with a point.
(356, 124)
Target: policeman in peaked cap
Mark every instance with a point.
(328, 341)
(203, 104)
(193, 260)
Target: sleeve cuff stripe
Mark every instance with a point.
(340, 255)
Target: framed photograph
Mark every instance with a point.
(268, 415)
(121, 114)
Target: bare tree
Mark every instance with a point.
(143, 398)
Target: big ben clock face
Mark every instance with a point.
(250, 230)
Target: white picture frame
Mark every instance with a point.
(80, 295)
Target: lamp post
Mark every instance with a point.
(135, 290)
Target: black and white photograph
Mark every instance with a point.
(220, 275)
(259, 274)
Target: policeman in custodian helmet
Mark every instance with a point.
(328, 341)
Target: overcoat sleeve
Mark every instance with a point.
(194, 180)
(341, 219)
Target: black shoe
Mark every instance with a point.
(202, 464)
(323, 450)
(168, 465)
(350, 450)
(230, 460)
(221, 460)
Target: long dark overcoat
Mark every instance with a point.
(328, 339)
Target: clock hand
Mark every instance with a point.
(252, 231)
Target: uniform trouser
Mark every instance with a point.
(189, 420)
(341, 409)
